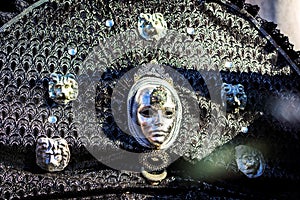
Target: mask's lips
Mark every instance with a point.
(158, 137)
(158, 133)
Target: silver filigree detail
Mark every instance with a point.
(152, 69)
(154, 160)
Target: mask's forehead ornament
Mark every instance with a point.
(158, 96)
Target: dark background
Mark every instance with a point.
(11, 8)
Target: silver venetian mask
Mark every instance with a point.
(63, 88)
(152, 26)
(233, 97)
(250, 161)
(52, 154)
(154, 113)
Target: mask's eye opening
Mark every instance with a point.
(146, 112)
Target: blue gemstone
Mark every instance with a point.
(228, 64)
(190, 31)
(72, 51)
(109, 23)
(244, 129)
(52, 119)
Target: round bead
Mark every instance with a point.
(72, 51)
(109, 23)
(228, 64)
(52, 119)
(190, 31)
(244, 129)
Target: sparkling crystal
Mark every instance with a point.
(228, 64)
(109, 23)
(244, 129)
(72, 51)
(190, 31)
(52, 119)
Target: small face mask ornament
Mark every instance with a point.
(52, 154)
(155, 113)
(63, 88)
(249, 161)
(233, 97)
(152, 26)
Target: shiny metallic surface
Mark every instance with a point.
(52, 154)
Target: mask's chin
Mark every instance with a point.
(157, 141)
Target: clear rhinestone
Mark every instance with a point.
(72, 51)
(109, 23)
(228, 64)
(190, 31)
(52, 119)
(244, 130)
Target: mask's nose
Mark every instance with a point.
(60, 92)
(237, 101)
(52, 161)
(159, 118)
(150, 30)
